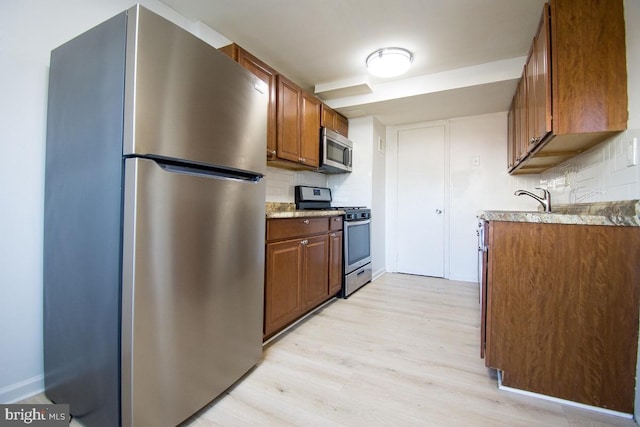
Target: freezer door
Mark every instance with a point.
(185, 100)
(193, 274)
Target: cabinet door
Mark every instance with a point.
(335, 262)
(521, 121)
(334, 121)
(267, 75)
(283, 300)
(511, 136)
(589, 69)
(541, 125)
(342, 125)
(288, 132)
(483, 293)
(310, 130)
(524, 300)
(530, 102)
(315, 285)
(562, 318)
(328, 118)
(538, 85)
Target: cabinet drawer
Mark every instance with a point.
(283, 228)
(335, 223)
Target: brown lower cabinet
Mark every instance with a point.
(303, 268)
(562, 310)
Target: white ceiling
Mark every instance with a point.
(468, 54)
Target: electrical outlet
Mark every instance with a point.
(475, 161)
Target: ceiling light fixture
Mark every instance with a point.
(389, 62)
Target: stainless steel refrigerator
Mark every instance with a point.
(154, 223)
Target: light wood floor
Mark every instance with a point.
(402, 351)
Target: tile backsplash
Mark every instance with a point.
(597, 175)
(281, 183)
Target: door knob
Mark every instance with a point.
(438, 211)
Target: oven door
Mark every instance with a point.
(357, 244)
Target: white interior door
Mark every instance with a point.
(420, 208)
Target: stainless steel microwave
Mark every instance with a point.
(336, 152)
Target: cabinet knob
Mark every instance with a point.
(271, 153)
(304, 242)
(306, 221)
(333, 234)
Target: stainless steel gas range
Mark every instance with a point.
(357, 235)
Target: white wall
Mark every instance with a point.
(29, 30)
(468, 188)
(365, 185)
(378, 199)
(356, 188)
(473, 188)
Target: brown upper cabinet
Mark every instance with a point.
(294, 116)
(267, 75)
(335, 121)
(517, 148)
(574, 85)
(298, 136)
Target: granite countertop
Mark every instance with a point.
(288, 210)
(622, 213)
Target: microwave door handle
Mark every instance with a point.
(347, 157)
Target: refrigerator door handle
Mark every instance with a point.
(204, 170)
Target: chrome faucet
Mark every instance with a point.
(545, 201)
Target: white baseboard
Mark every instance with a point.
(463, 278)
(19, 391)
(377, 274)
(562, 401)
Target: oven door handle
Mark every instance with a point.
(357, 221)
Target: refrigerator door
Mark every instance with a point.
(193, 274)
(185, 100)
